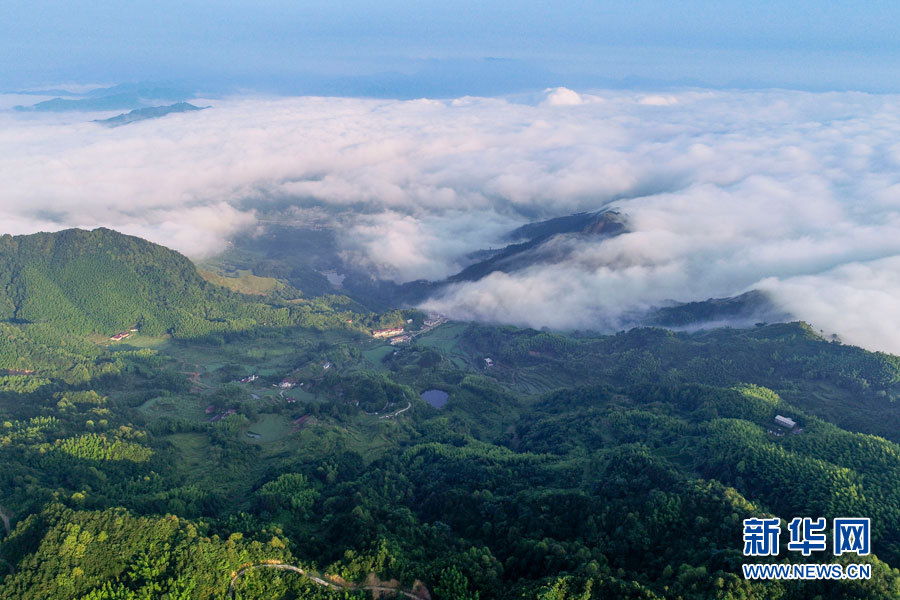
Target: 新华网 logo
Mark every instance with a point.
(807, 535)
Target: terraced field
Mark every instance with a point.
(446, 339)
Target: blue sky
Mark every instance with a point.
(409, 48)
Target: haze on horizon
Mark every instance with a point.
(405, 49)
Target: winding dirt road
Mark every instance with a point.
(318, 581)
(392, 415)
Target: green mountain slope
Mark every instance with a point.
(102, 282)
(57, 290)
(99, 282)
(567, 467)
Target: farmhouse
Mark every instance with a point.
(121, 336)
(434, 320)
(221, 416)
(400, 339)
(389, 332)
(785, 422)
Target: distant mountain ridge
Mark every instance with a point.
(743, 310)
(114, 102)
(151, 112)
(302, 257)
(550, 241)
(606, 222)
(535, 248)
(125, 96)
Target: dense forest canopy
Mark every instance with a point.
(267, 446)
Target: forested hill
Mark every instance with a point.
(61, 293)
(102, 282)
(94, 281)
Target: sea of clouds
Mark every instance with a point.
(794, 193)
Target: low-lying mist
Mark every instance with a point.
(796, 194)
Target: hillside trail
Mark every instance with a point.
(196, 387)
(378, 589)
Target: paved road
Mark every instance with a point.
(318, 581)
(408, 406)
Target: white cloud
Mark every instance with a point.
(561, 97)
(656, 100)
(402, 247)
(857, 300)
(725, 191)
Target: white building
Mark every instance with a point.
(785, 422)
(389, 332)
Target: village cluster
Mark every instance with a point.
(398, 335)
(394, 335)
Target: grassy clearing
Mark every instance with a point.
(200, 462)
(193, 448)
(245, 282)
(376, 355)
(261, 357)
(270, 428)
(139, 342)
(370, 437)
(447, 339)
(301, 395)
(173, 407)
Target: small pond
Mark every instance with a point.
(436, 398)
